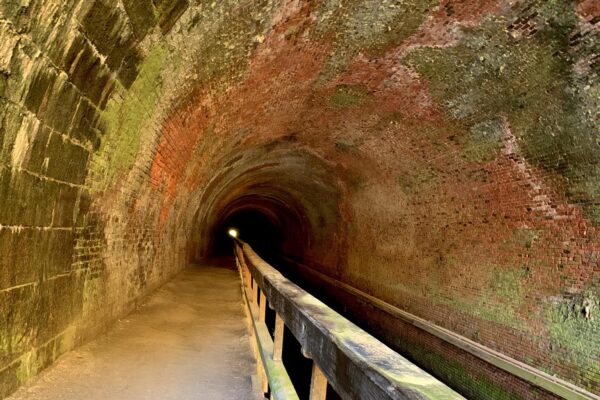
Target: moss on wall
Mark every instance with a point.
(348, 96)
(525, 237)
(229, 33)
(371, 26)
(126, 116)
(574, 325)
(57, 70)
(458, 376)
(417, 178)
(483, 141)
(526, 74)
(498, 302)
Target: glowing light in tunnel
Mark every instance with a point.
(233, 233)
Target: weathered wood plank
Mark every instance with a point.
(276, 374)
(254, 292)
(357, 365)
(278, 342)
(262, 312)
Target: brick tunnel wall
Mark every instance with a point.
(445, 154)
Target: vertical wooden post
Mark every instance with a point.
(254, 292)
(278, 340)
(262, 314)
(318, 384)
(264, 380)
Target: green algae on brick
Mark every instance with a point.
(584, 189)
(504, 295)
(528, 78)
(498, 301)
(18, 320)
(526, 237)
(142, 16)
(457, 375)
(417, 178)
(483, 141)
(508, 284)
(8, 377)
(574, 324)
(345, 145)
(127, 115)
(227, 35)
(169, 12)
(348, 96)
(4, 76)
(28, 367)
(371, 26)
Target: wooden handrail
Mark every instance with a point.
(355, 364)
(271, 369)
(552, 384)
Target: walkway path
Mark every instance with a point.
(188, 341)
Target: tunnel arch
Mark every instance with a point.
(294, 189)
(438, 155)
(267, 224)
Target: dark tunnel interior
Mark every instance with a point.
(263, 233)
(272, 227)
(282, 201)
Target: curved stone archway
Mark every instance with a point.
(441, 156)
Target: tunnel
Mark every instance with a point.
(423, 173)
(261, 230)
(282, 200)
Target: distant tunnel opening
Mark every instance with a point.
(253, 227)
(283, 202)
(270, 228)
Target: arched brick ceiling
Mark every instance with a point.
(440, 155)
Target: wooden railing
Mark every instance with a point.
(518, 369)
(345, 357)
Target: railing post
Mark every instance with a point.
(318, 384)
(245, 270)
(247, 273)
(254, 291)
(278, 338)
(264, 380)
(262, 313)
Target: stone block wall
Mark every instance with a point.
(74, 257)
